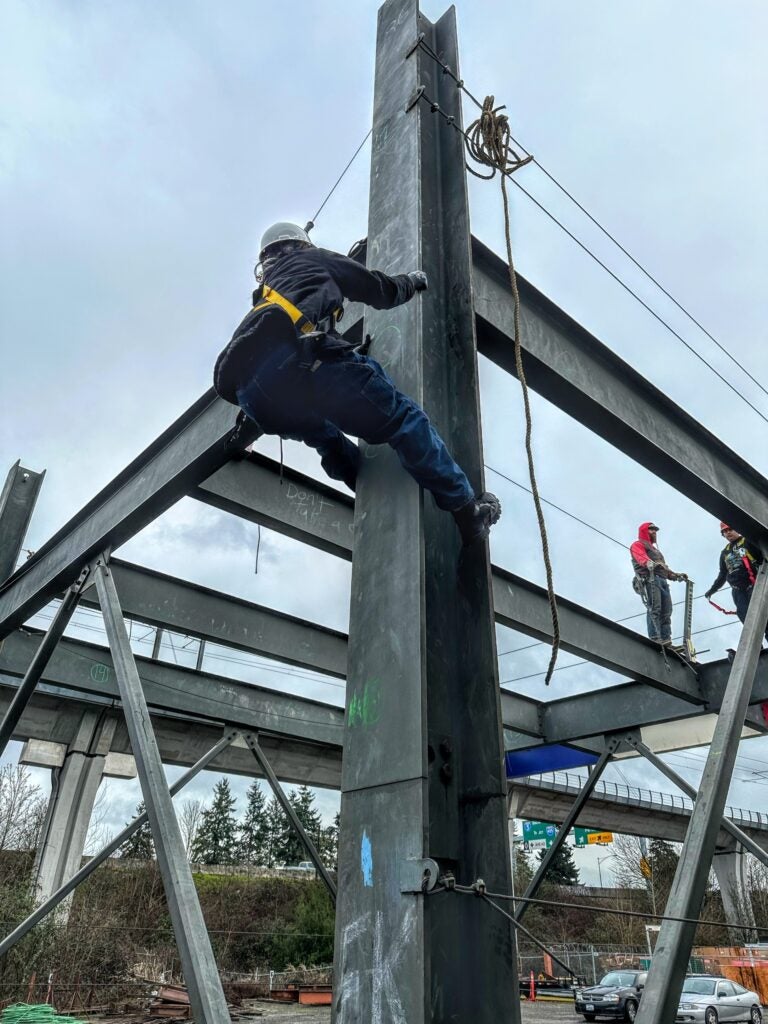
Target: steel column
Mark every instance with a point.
(200, 973)
(17, 503)
(252, 740)
(665, 978)
(422, 775)
(729, 826)
(39, 661)
(114, 844)
(568, 822)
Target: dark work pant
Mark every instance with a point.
(658, 609)
(741, 598)
(347, 393)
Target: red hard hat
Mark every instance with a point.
(724, 526)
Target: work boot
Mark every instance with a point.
(476, 518)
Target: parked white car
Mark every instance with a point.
(708, 1000)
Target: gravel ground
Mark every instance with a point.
(533, 1013)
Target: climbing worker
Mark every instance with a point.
(650, 582)
(291, 372)
(738, 566)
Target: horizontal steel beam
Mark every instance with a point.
(84, 671)
(601, 711)
(572, 369)
(161, 600)
(187, 452)
(319, 515)
(88, 669)
(523, 606)
(255, 488)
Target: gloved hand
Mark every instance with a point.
(419, 279)
(708, 594)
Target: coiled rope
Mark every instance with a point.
(488, 142)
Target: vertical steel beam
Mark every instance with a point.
(423, 774)
(114, 844)
(568, 822)
(253, 743)
(670, 959)
(200, 973)
(40, 660)
(17, 503)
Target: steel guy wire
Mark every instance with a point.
(311, 223)
(435, 108)
(470, 890)
(530, 158)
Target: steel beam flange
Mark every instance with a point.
(418, 874)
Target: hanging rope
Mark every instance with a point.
(488, 143)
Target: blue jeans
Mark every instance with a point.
(347, 393)
(659, 609)
(741, 598)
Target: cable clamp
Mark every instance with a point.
(478, 887)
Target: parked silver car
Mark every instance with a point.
(710, 1000)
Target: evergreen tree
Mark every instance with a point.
(216, 839)
(275, 828)
(562, 869)
(293, 849)
(140, 845)
(253, 847)
(329, 848)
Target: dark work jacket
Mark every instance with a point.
(738, 565)
(316, 281)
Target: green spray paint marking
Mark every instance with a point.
(99, 673)
(364, 705)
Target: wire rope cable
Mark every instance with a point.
(529, 158)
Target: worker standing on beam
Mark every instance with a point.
(651, 583)
(739, 562)
(290, 371)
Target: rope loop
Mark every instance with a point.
(489, 142)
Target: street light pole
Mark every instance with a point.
(599, 861)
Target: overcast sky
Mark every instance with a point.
(145, 147)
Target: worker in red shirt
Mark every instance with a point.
(651, 583)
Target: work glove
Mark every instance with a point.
(419, 279)
(708, 594)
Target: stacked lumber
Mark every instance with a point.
(170, 1001)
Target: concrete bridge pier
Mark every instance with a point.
(76, 773)
(732, 871)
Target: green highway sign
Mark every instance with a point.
(592, 837)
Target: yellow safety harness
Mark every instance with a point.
(302, 323)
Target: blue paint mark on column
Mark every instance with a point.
(366, 860)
